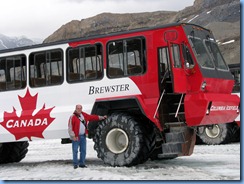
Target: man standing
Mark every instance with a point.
(77, 130)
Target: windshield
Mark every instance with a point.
(215, 54)
(201, 53)
(207, 53)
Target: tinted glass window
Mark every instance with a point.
(237, 77)
(12, 72)
(85, 63)
(126, 57)
(175, 49)
(163, 55)
(215, 54)
(46, 68)
(201, 53)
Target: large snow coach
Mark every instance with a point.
(157, 85)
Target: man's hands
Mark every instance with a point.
(103, 117)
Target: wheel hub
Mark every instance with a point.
(213, 131)
(117, 140)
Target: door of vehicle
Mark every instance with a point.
(177, 68)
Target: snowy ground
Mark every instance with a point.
(50, 160)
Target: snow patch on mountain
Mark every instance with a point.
(2, 45)
(231, 41)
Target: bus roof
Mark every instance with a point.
(94, 37)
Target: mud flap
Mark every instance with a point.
(190, 140)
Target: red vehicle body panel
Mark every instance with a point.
(203, 109)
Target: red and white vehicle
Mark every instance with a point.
(227, 132)
(155, 84)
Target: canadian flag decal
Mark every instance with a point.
(27, 124)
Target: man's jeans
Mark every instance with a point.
(75, 145)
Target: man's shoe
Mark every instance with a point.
(82, 166)
(75, 166)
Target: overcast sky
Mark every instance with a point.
(39, 19)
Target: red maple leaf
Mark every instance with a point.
(28, 124)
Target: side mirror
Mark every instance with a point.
(189, 64)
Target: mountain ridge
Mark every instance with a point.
(7, 42)
(222, 17)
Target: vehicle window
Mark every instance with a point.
(236, 75)
(46, 68)
(163, 55)
(126, 57)
(85, 63)
(201, 53)
(175, 49)
(187, 57)
(12, 72)
(217, 57)
(2, 76)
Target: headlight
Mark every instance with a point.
(203, 86)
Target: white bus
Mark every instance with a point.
(155, 84)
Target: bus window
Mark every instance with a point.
(84, 63)
(46, 68)
(163, 54)
(126, 57)
(12, 73)
(216, 55)
(201, 53)
(188, 61)
(2, 76)
(175, 49)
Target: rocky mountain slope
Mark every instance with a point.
(222, 17)
(7, 42)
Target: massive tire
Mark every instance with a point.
(217, 134)
(13, 152)
(236, 133)
(122, 140)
